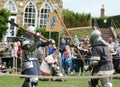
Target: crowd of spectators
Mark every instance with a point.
(10, 55)
(68, 60)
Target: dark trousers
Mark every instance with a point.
(65, 67)
(72, 66)
(78, 65)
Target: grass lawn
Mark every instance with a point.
(81, 33)
(75, 82)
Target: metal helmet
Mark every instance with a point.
(52, 41)
(96, 36)
(31, 29)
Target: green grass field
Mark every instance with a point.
(6, 81)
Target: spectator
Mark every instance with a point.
(78, 62)
(6, 54)
(86, 39)
(87, 56)
(73, 59)
(66, 59)
(76, 57)
(19, 52)
(81, 70)
(76, 39)
(110, 44)
(62, 50)
(116, 44)
(3, 67)
(62, 46)
(0, 63)
(118, 37)
(117, 53)
(1, 52)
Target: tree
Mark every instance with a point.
(72, 19)
(20, 33)
(4, 14)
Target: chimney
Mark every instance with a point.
(102, 11)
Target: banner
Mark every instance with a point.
(53, 24)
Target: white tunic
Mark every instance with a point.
(45, 66)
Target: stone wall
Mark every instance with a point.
(22, 3)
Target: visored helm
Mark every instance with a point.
(31, 29)
(96, 36)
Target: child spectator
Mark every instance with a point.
(76, 39)
(66, 59)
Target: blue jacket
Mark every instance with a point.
(67, 59)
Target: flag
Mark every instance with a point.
(53, 24)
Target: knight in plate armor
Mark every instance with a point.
(101, 61)
(30, 60)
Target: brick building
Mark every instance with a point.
(29, 12)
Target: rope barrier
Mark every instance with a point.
(48, 77)
(5, 53)
(6, 57)
(5, 70)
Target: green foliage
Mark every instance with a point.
(72, 19)
(4, 14)
(101, 23)
(20, 33)
(116, 19)
(42, 30)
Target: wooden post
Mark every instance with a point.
(13, 64)
(16, 63)
(59, 46)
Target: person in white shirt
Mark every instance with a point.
(110, 44)
(49, 65)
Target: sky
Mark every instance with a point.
(112, 7)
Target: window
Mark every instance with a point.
(30, 15)
(44, 13)
(10, 5)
